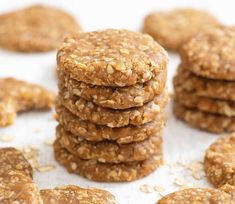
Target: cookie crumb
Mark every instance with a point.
(31, 153)
(181, 183)
(45, 168)
(159, 189)
(37, 130)
(146, 188)
(48, 141)
(6, 138)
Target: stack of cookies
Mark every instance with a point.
(205, 82)
(110, 105)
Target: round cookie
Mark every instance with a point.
(87, 110)
(122, 135)
(171, 29)
(74, 195)
(16, 187)
(219, 161)
(204, 87)
(116, 97)
(12, 159)
(198, 196)
(211, 53)
(109, 152)
(206, 121)
(105, 172)
(111, 57)
(35, 29)
(205, 104)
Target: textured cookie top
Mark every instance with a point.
(172, 28)
(198, 196)
(111, 57)
(75, 194)
(12, 159)
(219, 161)
(35, 28)
(17, 188)
(211, 53)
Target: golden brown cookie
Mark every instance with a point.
(209, 105)
(16, 187)
(111, 57)
(12, 159)
(87, 110)
(122, 135)
(17, 96)
(116, 97)
(172, 28)
(219, 161)
(35, 29)
(109, 152)
(105, 172)
(206, 121)
(211, 53)
(76, 195)
(204, 87)
(198, 196)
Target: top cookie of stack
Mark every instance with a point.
(111, 96)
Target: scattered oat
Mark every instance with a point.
(49, 141)
(159, 189)
(31, 153)
(6, 138)
(45, 168)
(37, 130)
(196, 169)
(183, 184)
(146, 188)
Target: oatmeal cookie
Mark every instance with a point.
(116, 97)
(171, 29)
(109, 152)
(219, 161)
(111, 57)
(87, 110)
(205, 104)
(74, 195)
(199, 196)
(211, 53)
(16, 187)
(122, 135)
(206, 121)
(204, 87)
(35, 29)
(106, 172)
(12, 159)
(17, 96)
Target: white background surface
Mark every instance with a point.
(181, 143)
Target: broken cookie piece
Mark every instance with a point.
(17, 96)
(13, 159)
(16, 187)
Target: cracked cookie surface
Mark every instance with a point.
(111, 57)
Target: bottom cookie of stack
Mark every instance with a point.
(107, 172)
